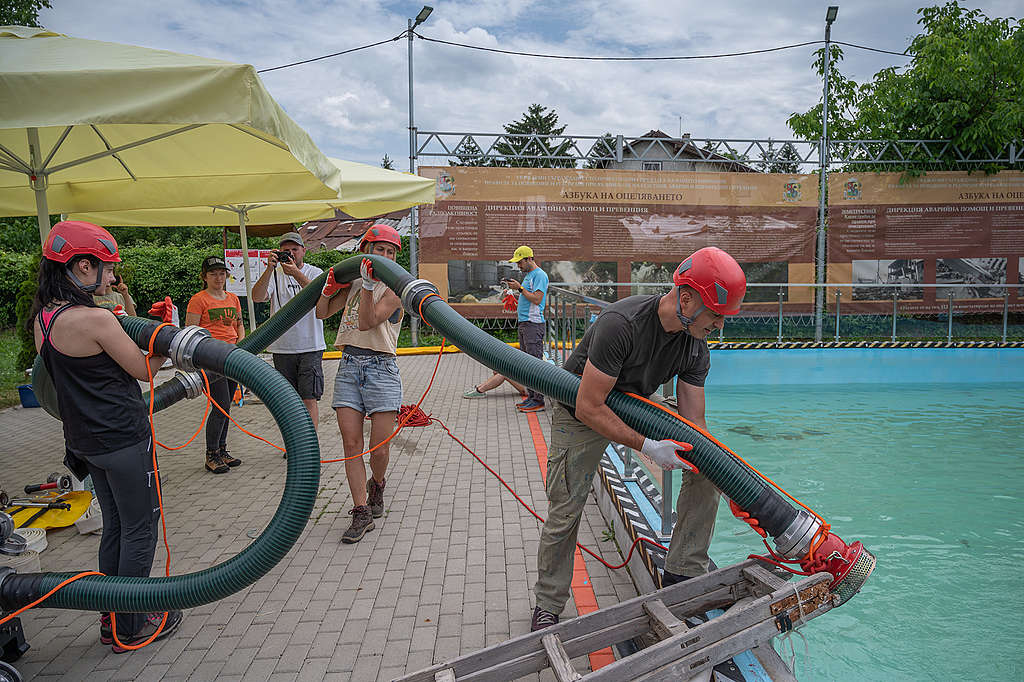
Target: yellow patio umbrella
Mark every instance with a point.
(365, 191)
(94, 126)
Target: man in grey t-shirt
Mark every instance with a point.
(298, 353)
(636, 345)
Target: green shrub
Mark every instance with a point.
(14, 269)
(23, 308)
(153, 272)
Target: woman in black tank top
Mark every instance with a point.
(95, 369)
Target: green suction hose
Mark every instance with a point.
(112, 593)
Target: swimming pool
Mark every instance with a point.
(915, 453)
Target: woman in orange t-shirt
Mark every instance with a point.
(219, 311)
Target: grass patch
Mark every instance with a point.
(10, 376)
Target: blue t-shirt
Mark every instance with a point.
(535, 280)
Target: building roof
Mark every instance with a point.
(342, 231)
(679, 148)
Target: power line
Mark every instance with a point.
(404, 34)
(334, 54)
(618, 59)
(873, 49)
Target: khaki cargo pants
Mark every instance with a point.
(573, 457)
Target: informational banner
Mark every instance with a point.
(944, 227)
(236, 272)
(610, 225)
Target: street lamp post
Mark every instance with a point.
(819, 293)
(413, 213)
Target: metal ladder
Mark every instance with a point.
(759, 605)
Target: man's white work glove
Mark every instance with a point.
(668, 454)
(366, 272)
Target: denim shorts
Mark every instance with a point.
(368, 384)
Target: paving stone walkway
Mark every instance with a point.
(448, 570)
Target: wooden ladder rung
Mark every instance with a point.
(560, 664)
(763, 578)
(446, 675)
(663, 623)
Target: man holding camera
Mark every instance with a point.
(533, 292)
(298, 353)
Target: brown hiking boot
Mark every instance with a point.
(214, 463)
(228, 459)
(362, 521)
(375, 497)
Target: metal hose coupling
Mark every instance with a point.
(414, 293)
(183, 347)
(849, 565)
(192, 382)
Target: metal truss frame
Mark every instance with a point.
(756, 154)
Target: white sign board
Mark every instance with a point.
(236, 272)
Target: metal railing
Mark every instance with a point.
(570, 314)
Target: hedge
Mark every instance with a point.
(151, 272)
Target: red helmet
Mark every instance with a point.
(70, 238)
(381, 233)
(716, 276)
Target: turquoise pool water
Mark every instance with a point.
(929, 476)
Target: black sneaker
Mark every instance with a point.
(214, 464)
(670, 578)
(375, 497)
(228, 459)
(106, 634)
(151, 625)
(542, 619)
(362, 521)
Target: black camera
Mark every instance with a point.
(283, 256)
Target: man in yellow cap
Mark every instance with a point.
(533, 293)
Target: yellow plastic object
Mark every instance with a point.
(53, 518)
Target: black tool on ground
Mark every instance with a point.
(23, 503)
(5, 500)
(53, 482)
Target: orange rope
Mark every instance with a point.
(47, 595)
(159, 492)
(409, 414)
(206, 392)
(419, 308)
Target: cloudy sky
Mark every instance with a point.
(356, 106)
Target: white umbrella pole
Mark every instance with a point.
(245, 269)
(38, 183)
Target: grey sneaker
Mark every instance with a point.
(375, 497)
(151, 625)
(473, 393)
(362, 522)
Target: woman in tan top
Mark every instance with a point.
(367, 382)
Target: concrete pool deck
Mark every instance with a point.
(448, 570)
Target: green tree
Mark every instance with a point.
(468, 153)
(598, 155)
(387, 162)
(537, 120)
(964, 83)
(21, 12)
(785, 159)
